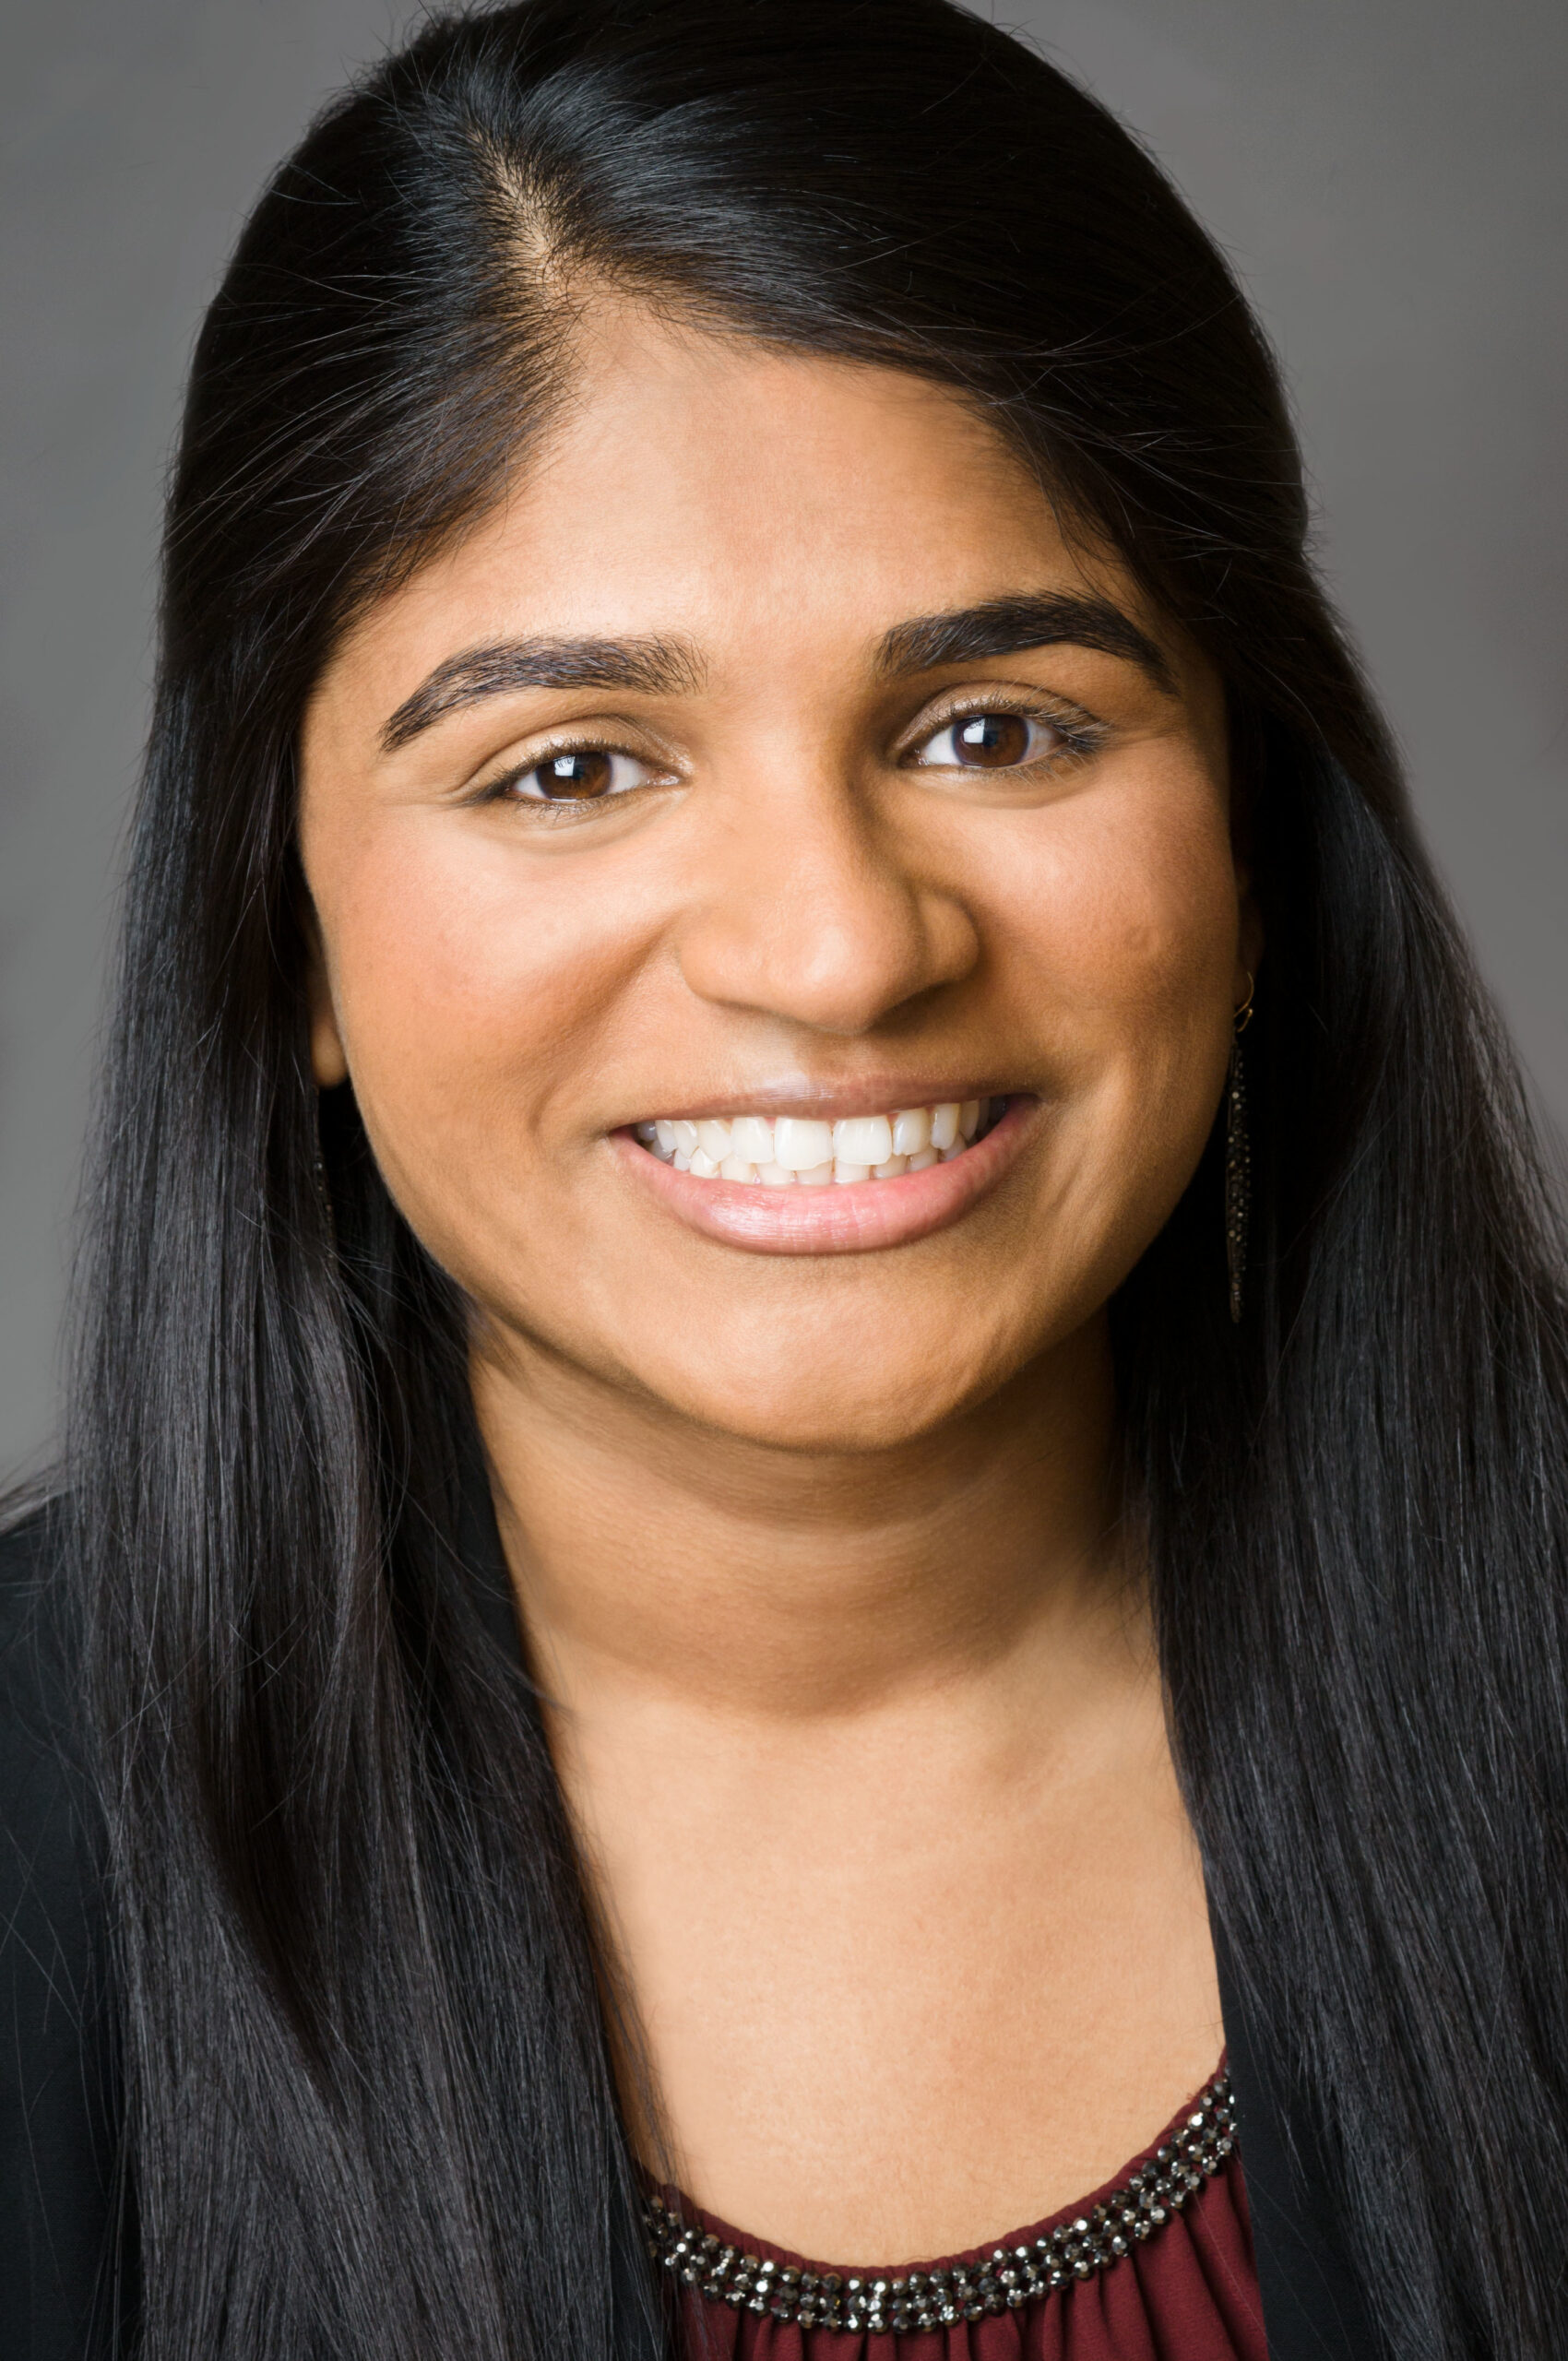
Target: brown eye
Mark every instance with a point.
(576, 777)
(991, 742)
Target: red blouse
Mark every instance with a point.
(1155, 2266)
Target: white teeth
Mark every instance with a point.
(753, 1135)
(862, 1139)
(799, 1150)
(800, 1145)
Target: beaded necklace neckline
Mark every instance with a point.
(1003, 2281)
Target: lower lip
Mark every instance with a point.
(859, 1217)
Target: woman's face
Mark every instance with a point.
(769, 760)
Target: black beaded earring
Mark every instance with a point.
(1238, 1161)
(323, 1187)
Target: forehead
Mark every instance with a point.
(771, 505)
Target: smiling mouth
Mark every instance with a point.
(791, 1151)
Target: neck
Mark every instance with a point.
(657, 1559)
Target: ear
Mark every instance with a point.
(1248, 931)
(1244, 762)
(328, 1058)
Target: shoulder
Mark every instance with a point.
(42, 1791)
(57, 2099)
(33, 1652)
(40, 1742)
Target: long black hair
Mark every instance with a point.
(369, 2111)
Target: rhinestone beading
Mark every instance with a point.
(880, 2301)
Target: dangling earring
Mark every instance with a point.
(1238, 1161)
(322, 1188)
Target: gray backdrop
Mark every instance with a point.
(1390, 176)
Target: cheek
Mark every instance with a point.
(1124, 912)
(1121, 929)
(469, 993)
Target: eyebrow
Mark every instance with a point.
(653, 667)
(662, 667)
(1008, 626)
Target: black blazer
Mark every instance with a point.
(65, 2282)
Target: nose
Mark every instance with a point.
(813, 911)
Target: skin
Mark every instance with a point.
(848, 1668)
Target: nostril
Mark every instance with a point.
(831, 936)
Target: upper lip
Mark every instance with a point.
(825, 1102)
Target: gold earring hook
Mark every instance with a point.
(1243, 1015)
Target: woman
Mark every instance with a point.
(818, 1458)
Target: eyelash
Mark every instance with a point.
(563, 807)
(1079, 732)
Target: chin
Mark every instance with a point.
(818, 1408)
